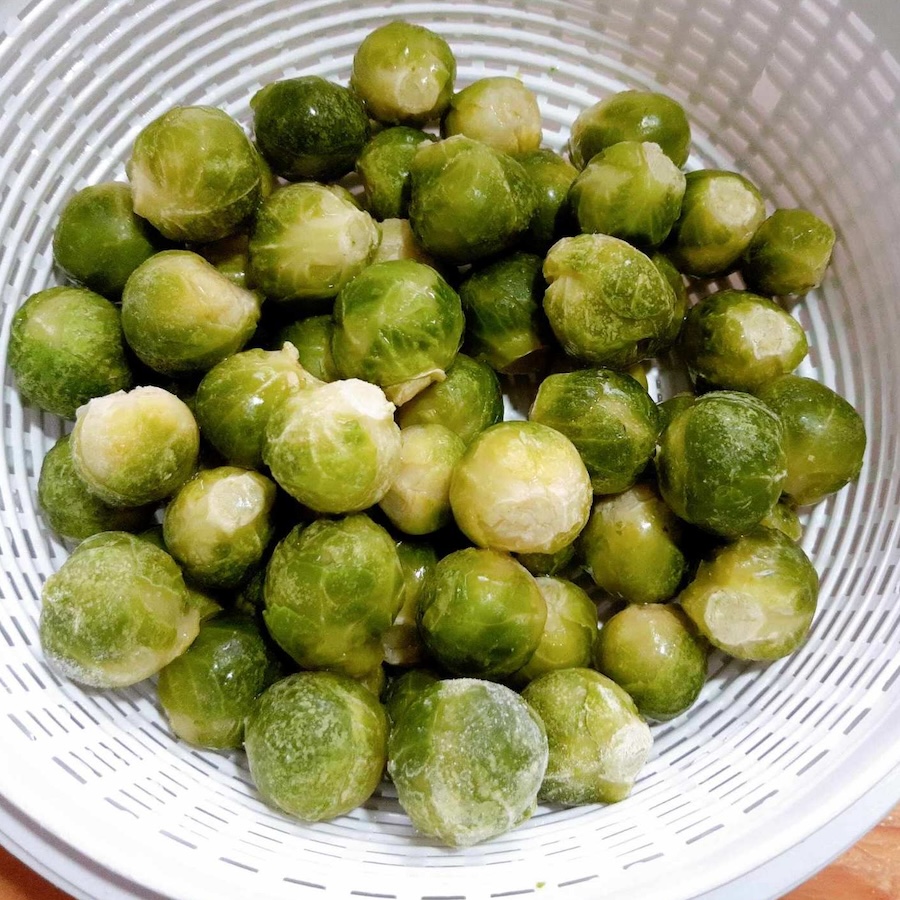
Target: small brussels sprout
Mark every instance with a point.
(467, 758)
(682, 301)
(66, 347)
(312, 340)
(383, 168)
(399, 242)
(467, 200)
(598, 742)
(755, 598)
(249, 599)
(631, 116)
(522, 487)
(630, 190)
(316, 744)
(824, 437)
(548, 564)
(194, 174)
(230, 256)
(404, 74)
(720, 213)
(116, 612)
(607, 303)
(400, 692)
(307, 242)
(783, 518)
(789, 253)
(552, 176)
(135, 448)
(668, 409)
(402, 643)
(498, 111)
(308, 127)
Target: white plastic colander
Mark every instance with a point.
(799, 96)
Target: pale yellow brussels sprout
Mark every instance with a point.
(399, 242)
(402, 642)
(784, 518)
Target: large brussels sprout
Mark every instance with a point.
(552, 176)
(383, 167)
(401, 691)
(194, 174)
(311, 338)
(467, 758)
(399, 242)
(402, 642)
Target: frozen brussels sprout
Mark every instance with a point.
(467, 758)
(547, 564)
(607, 303)
(631, 116)
(399, 242)
(401, 691)
(598, 742)
(402, 643)
(316, 744)
(307, 242)
(383, 168)
(311, 338)
(116, 612)
(66, 347)
(754, 598)
(498, 111)
(308, 127)
(332, 590)
(230, 256)
(194, 174)
(630, 190)
(682, 301)
(552, 176)
(404, 74)
(522, 487)
(668, 409)
(135, 448)
(784, 518)
(824, 437)
(609, 418)
(468, 201)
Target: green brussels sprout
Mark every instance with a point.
(467, 402)
(549, 564)
(307, 242)
(249, 600)
(789, 253)
(654, 654)
(668, 409)
(721, 462)
(609, 418)
(402, 643)
(607, 303)
(824, 437)
(99, 241)
(194, 174)
(135, 448)
(401, 691)
(720, 213)
(631, 116)
(552, 176)
(738, 341)
(65, 348)
(308, 127)
(598, 743)
(468, 201)
(630, 190)
(316, 744)
(784, 519)
(180, 314)
(755, 598)
(404, 74)
(383, 167)
(230, 256)
(116, 612)
(498, 111)
(522, 487)
(467, 758)
(398, 325)
(334, 447)
(311, 338)
(682, 301)
(332, 590)
(399, 242)
(208, 691)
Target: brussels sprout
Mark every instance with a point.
(398, 325)
(312, 340)
(552, 176)
(630, 190)
(720, 213)
(755, 598)
(609, 418)
(383, 168)
(401, 691)
(309, 128)
(404, 74)
(631, 116)
(784, 519)
(607, 303)
(116, 612)
(547, 564)
(668, 409)
(789, 253)
(307, 242)
(653, 653)
(824, 437)
(498, 111)
(467, 758)
(194, 174)
(316, 744)
(522, 487)
(210, 689)
(332, 590)
(205, 605)
(402, 643)
(230, 256)
(598, 742)
(65, 347)
(399, 242)
(135, 448)
(638, 372)
(467, 200)
(250, 600)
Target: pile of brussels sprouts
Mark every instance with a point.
(357, 565)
